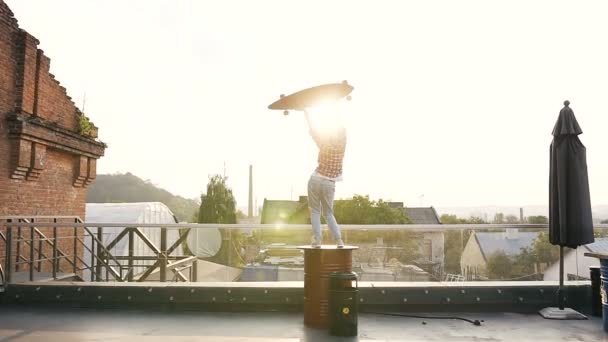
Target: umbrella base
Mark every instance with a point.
(565, 314)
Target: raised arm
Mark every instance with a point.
(313, 132)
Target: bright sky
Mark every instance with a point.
(455, 100)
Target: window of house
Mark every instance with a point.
(427, 249)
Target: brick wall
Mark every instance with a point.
(45, 163)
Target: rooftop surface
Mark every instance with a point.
(491, 243)
(23, 323)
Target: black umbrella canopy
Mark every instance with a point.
(570, 221)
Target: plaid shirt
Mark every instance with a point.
(331, 154)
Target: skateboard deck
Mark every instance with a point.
(311, 96)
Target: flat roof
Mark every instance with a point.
(25, 323)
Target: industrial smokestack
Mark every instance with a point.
(250, 208)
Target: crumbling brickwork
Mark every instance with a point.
(46, 161)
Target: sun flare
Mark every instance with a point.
(326, 118)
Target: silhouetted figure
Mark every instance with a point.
(328, 132)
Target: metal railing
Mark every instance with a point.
(86, 252)
(34, 245)
(28, 249)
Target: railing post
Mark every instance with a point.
(75, 256)
(92, 266)
(39, 251)
(55, 261)
(18, 251)
(131, 246)
(99, 254)
(230, 245)
(9, 243)
(163, 254)
(194, 270)
(31, 262)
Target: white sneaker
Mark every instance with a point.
(340, 243)
(315, 243)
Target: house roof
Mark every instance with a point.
(600, 245)
(422, 215)
(397, 205)
(490, 243)
(279, 211)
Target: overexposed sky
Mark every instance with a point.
(455, 100)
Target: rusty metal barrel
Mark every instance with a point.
(318, 264)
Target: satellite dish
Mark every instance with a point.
(204, 243)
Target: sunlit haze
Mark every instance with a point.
(453, 100)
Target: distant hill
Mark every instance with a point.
(487, 212)
(128, 188)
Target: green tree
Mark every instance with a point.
(511, 219)
(451, 219)
(361, 210)
(219, 206)
(529, 263)
(499, 266)
(524, 264)
(499, 218)
(519, 267)
(475, 220)
(544, 252)
(382, 213)
(538, 219)
(604, 222)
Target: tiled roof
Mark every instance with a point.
(490, 243)
(600, 245)
(422, 215)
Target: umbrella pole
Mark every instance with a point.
(561, 312)
(560, 291)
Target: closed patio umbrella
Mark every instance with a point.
(570, 222)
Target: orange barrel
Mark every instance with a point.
(318, 264)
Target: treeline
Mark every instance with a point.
(499, 218)
(128, 188)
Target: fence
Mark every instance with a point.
(56, 248)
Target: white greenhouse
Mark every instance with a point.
(145, 213)
(202, 243)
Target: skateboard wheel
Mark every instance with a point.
(286, 113)
(282, 96)
(348, 98)
(344, 82)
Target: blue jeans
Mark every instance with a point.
(321, 196)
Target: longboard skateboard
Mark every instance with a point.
(310, 96)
